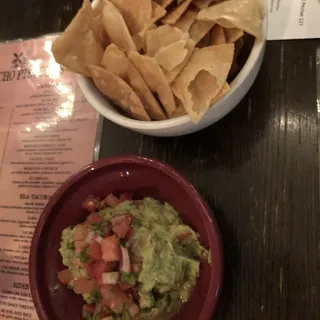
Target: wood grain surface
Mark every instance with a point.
(258, 168)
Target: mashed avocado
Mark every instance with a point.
(169, 250)
(170, 263)
(170, 266)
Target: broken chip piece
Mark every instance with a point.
(79, 46)
(119, 92)
(154, 77)
(115, 61)
(242, 14)
(202, 78)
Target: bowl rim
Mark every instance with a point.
(98, 101)
(211, 228)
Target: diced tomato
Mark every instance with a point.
(130, 233)
(79, 245)
(124, 286)
(83, 286)
(125, 197)
(65, 276)
(183, 236)
(94, 218)
(108, 230)
(88, 308)
(136, 267)
(102, 311)
(114, 297)
(108, 313)
(111, 200)
(133, 292)
(110, 249)
(112, 266)
(94, 251)
(121, 228)
(91, 204)
(96, 268)
(80, 232)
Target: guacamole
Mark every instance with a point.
(139, 249)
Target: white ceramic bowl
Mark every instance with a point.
(183, 125)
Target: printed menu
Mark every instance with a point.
(47, 132)
(293, 19)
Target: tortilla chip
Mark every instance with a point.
(155, 79)
(162, 37)
(140, 39)
(233, 34)
(116, 27)
(101, 33)
(184, 23)
(242, 14)
(119, 91)
(224, 90)
(171, 75)
(137, 14)
(116, 62)
(157, 13)
(218, 35)
(199, 29)
(180, 110)
(174, 15)
(78, 46)
(172, 55)
(202, 78)
(202, 4)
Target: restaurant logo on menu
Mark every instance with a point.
(19, 70)
(18, 60)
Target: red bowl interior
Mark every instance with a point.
(142, 177)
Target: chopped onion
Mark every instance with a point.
(98, 239)
(125, 260)
(89, 237)
(111, 200)
(110, 277)
(116, 219)
(133, 310)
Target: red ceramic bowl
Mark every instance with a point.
(142, 177)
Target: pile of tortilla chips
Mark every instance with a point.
(159, 59)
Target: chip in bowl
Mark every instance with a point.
(151, 45)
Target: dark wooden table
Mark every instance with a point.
(258, 168)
